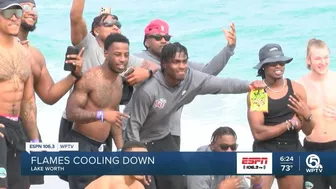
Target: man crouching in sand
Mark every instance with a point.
(122, 181)
(93, 106)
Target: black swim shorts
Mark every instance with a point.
(65, 128)
(35, 179)
(278, 146)
(11, 147)
(317, 181)
(85, 144)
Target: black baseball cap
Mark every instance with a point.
(5, 4)
(271, 53)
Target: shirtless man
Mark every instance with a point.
(93, 42)
(122, 181)
(93, 106)
(321, 99)
(16, 97)
(46, 89)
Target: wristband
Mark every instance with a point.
(295, 125)
(35, 141)
(258, 185)
(100, 115)
(288, 125)
(150, 73)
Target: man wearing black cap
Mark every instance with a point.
(16, 98)
(277, 128)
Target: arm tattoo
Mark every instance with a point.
(75, 109)
(28, 116)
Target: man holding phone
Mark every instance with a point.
(44, 86)
(93, 42)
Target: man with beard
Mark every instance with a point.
(93, 105)
(48, 91)
(93, 42)
(16, 98)
(157, 36)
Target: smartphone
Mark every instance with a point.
(105, 10)
(70, 50)
(129, 71)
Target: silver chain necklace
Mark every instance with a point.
(275, 91)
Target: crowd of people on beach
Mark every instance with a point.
(154, 85)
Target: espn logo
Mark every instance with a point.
(254, 163)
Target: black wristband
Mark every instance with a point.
(150, 73)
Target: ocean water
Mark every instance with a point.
(198, 25)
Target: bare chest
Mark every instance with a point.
(321, 95)
(107, 94)
(14, 66)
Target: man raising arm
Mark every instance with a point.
(158, 100)
(93, 42)
(46, 89)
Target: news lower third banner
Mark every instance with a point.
(64, 159)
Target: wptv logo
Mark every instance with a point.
(313, 163)
(254, 163)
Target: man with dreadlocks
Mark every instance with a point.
(159, 99)
(157, 35)
(224, 139)
(277, 129)
(93, 42)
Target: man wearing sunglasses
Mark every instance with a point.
(17, 99)
(48, 91)
(93, 42)
(224, 139)
(157, 36)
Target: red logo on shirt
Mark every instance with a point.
(160, 103)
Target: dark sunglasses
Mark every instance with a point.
(159, 37)
(277, 63)
(226, 146)
(8, 13)
(110, 23)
